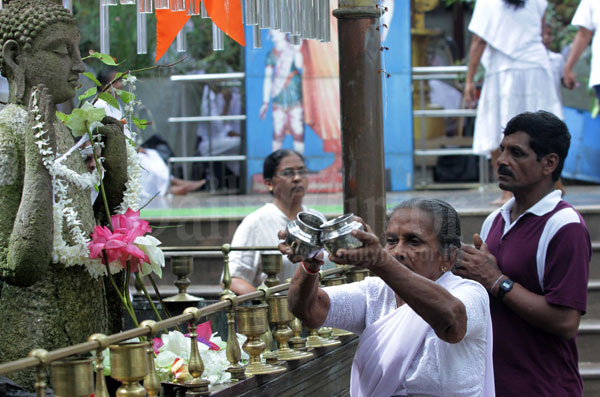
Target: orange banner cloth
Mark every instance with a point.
(227, 15)
(168, 24)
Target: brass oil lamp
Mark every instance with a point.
(252, 322)
(272, 264)
(73, 377)
(129, 365)
(281, 316)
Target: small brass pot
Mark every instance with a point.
(73, 377)
(129, 365)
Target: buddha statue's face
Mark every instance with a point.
(54, 61)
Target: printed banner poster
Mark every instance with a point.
(292, 102)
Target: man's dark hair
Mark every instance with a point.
(105, 76)
(547, 134)
(273, 160)
(515, 3)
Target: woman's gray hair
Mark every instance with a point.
(446, 222)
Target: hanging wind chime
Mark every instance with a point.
(300, 19)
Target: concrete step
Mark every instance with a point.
(595, 261)
(588, 339)
(593, 299)
(590, 372)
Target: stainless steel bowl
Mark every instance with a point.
(336, 233)
(304, 234)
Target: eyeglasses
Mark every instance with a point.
(290, 173)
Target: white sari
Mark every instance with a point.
(388, 347)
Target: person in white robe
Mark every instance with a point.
(423, 330)
(587, 20)
(507, 41)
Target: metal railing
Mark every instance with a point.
(222, 78)
(421, 74)
(41, 359)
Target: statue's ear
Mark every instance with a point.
(14, 71)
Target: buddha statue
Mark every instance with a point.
(52, 294)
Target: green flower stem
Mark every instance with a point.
(162, 304)
(99, 169)
(107, 86)
(124, 300)
(148, 298)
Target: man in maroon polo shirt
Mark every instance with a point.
(533, 258)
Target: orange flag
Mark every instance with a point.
(227, 15)
(168, 24)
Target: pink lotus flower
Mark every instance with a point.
(204, 332)
(119, 244)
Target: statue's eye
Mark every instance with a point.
(61, 49)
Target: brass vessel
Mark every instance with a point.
(314, 340)
(181, 267)
(129, 365)
(281, 316)
(272, 263)
(252, 322)
(297, 342)
(73, 377)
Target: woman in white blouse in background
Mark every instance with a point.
(286, 177)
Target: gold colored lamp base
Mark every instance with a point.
(197, 387)
(182, 297)
(317, 341)
(237, 372)
(337, 333)
(263, 369)
(326, 332)
(271, 358)
(288, 354)
(298, 343)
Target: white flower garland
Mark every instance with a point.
(79, 254)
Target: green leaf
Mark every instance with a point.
(63, 117)
(126, 96)
(83, 117)
(104, 58)
(92, 77)
(88, 93)
(108, 98)
(140, 123)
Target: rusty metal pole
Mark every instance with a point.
(361, 111)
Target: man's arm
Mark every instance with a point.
(480, 265)
(582, 39)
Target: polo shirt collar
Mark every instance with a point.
(542, 207)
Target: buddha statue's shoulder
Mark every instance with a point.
(12, 120)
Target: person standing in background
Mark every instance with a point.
(587, 19)
(507, 41)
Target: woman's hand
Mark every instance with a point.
(369, 255)
(470, 94)
(313, 263)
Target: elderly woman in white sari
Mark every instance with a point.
(423, 330)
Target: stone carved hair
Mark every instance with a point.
(23, 20)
